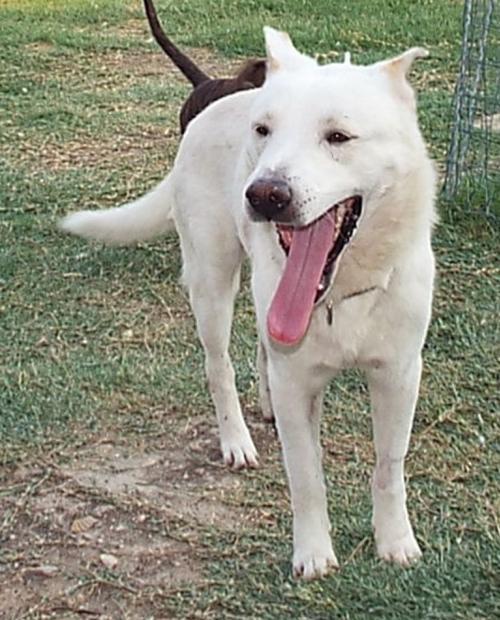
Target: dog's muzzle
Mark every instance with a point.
(270, 198)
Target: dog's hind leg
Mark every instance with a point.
(264, 391)
(393, 393)
(211, 273)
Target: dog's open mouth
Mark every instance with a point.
(312, 254)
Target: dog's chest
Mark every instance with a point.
(345, 334)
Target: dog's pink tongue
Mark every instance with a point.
(292, 305)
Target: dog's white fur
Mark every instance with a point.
(380, 299)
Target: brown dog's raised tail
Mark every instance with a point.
(206, 89)
(193, 73)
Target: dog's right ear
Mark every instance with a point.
(281, 53)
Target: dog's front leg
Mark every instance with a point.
(298, 413)
(393, 393)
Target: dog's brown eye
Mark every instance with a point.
(336, 137)
(262, 130)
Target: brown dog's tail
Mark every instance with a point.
(185, 64)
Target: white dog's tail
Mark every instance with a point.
(143, 219)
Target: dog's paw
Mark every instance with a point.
(314, 565)
(403, 551)
(239, 452)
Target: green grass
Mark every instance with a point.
(91, 337)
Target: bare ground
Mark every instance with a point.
(114, 528)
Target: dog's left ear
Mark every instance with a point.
(281, 53)
(396, 70)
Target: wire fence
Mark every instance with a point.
(473, 162)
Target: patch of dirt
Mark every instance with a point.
(86, 152)
(116, 527)
(156, 62)
(488, 122)
(40, 47)
(132, 63)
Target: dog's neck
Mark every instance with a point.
(387, 235)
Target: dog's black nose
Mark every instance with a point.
(269, 197)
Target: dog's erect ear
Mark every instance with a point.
(281, 53)
(402, 64)
(396, 69)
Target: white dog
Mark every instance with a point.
(322, 178)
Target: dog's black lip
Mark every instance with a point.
(348, 227)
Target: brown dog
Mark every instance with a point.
(206, 89)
